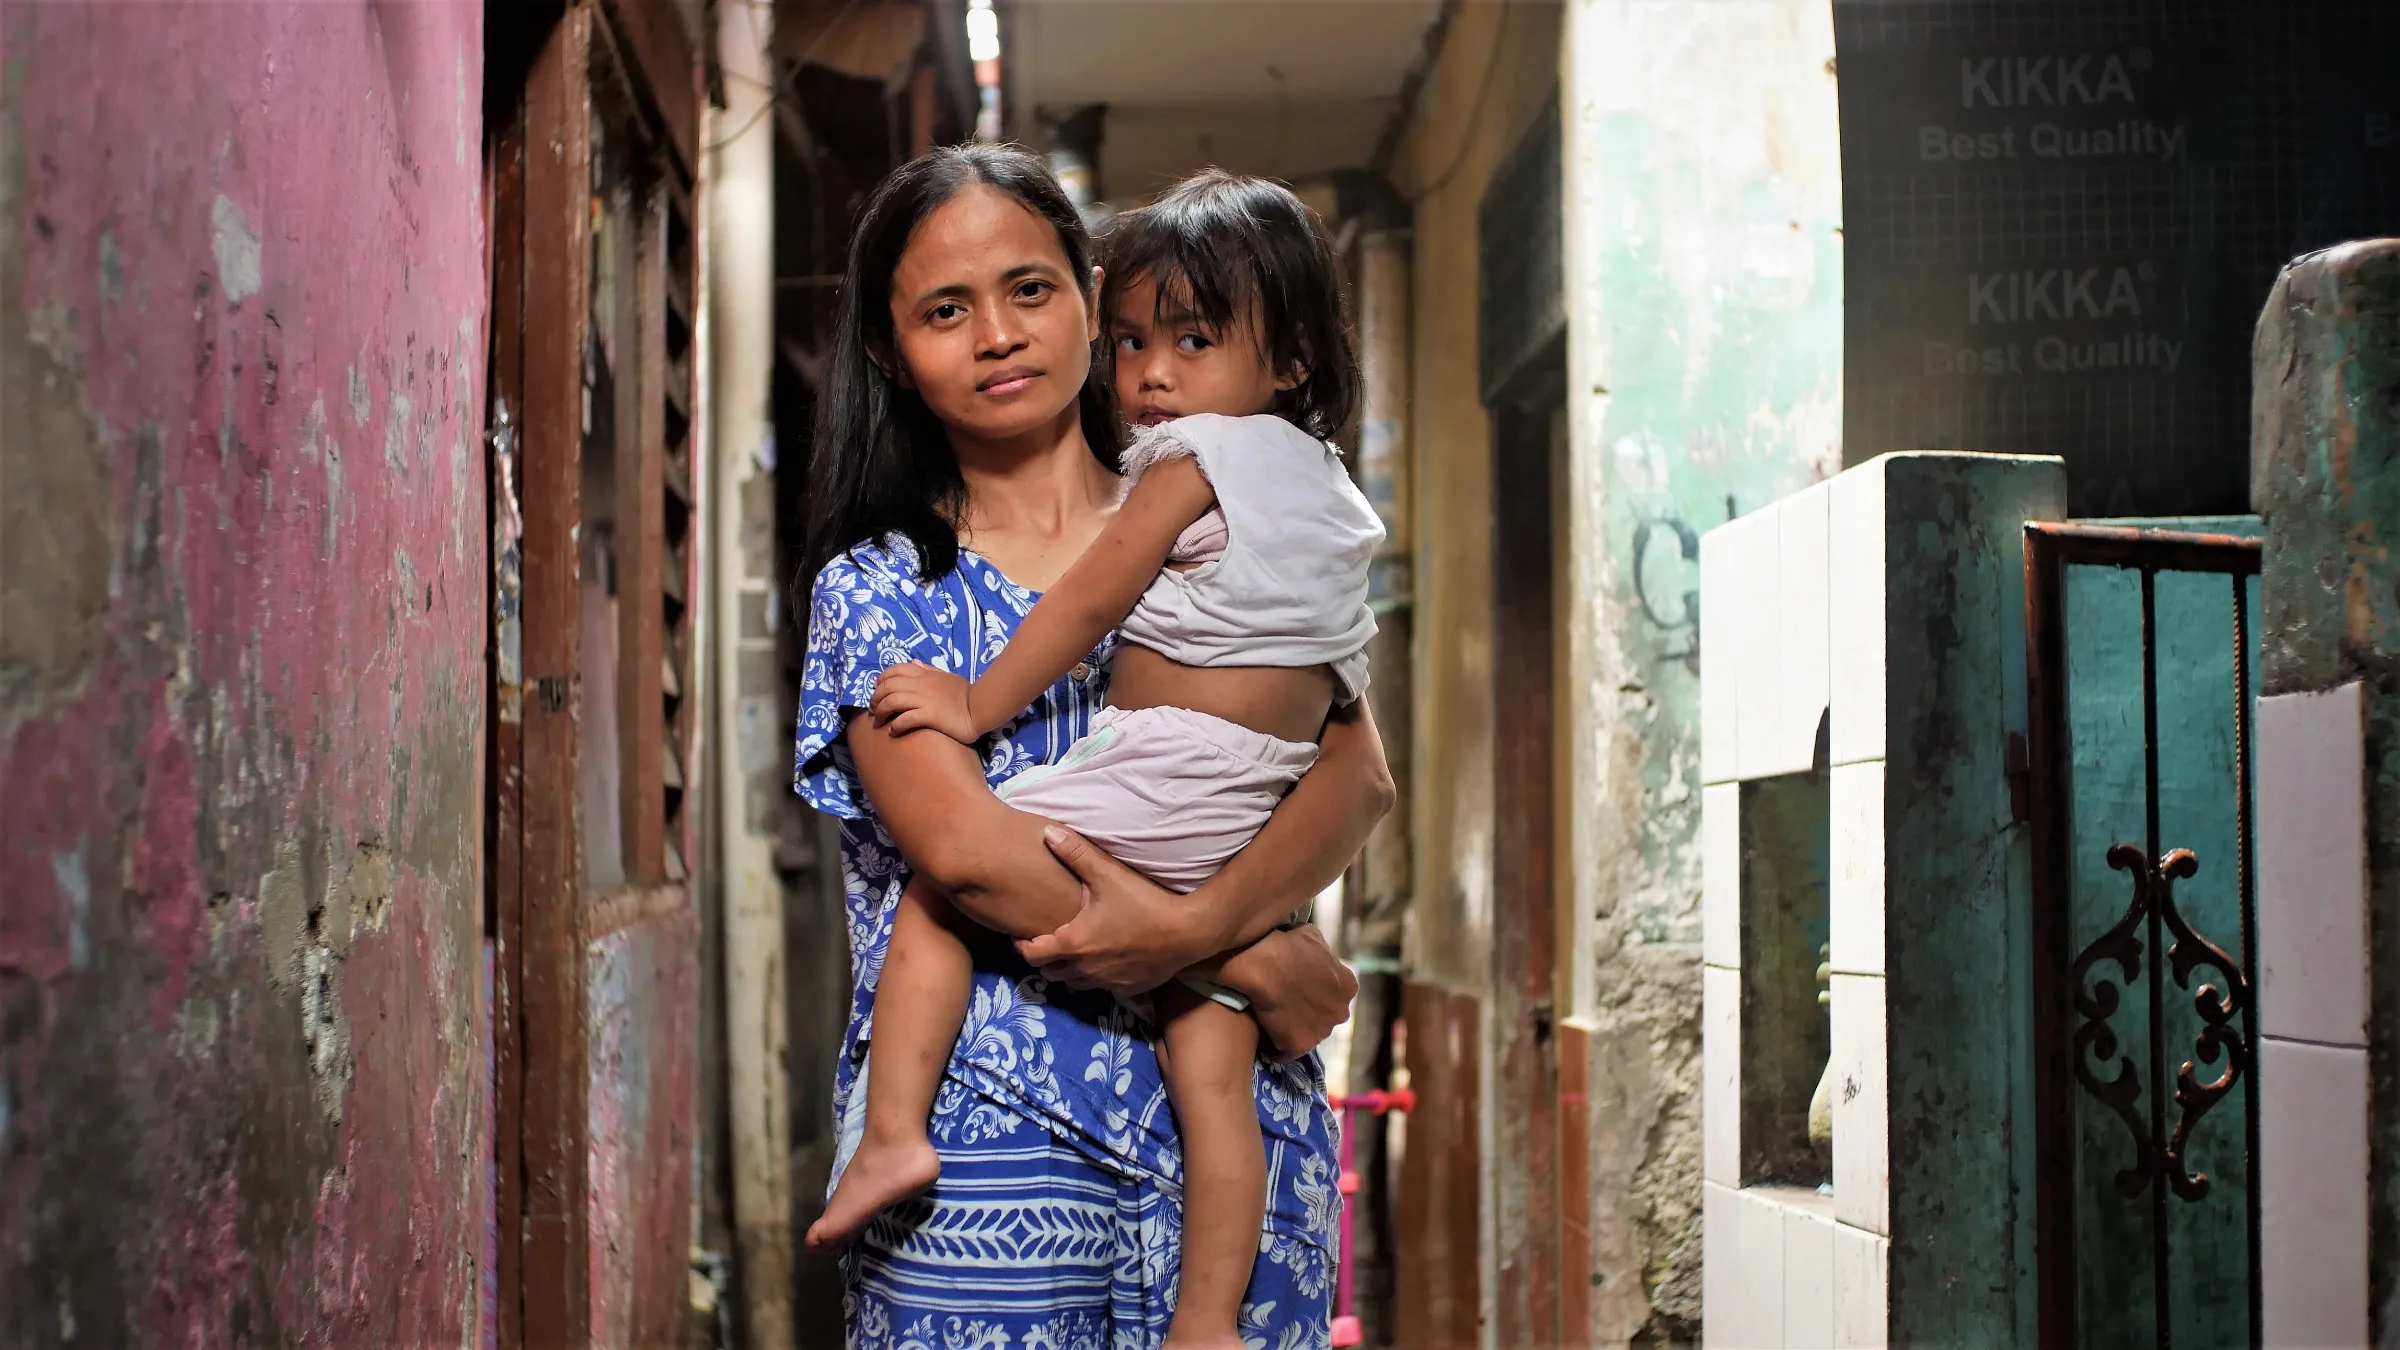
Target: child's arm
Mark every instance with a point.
(1095, 595)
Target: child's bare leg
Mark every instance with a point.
(1211, 1054)
(920, 1003)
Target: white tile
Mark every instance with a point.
(2312, 1196)
(1721, 616)
(1807, 1281)
(1720, 1264)
(1721, 874)
(2312, 866)
(1758, 1296)
(1861, 1105)
(1798, 659)
(1721, 1075)
(1861, 1290)
(1856, 613)
(1855, 808)
(1758, 692)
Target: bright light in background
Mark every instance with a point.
(983, 32)
(983, 48)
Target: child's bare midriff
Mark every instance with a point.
(1287, 704)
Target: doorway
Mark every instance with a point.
(590, 927)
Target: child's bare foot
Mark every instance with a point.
(879, 1175)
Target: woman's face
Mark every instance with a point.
(991, 328)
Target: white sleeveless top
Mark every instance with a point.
(1284, 553)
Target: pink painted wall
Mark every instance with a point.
(242, 598)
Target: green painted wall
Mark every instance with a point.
(2207, 1239)
(1704, 288)
(1958, 896)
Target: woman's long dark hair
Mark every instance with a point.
(879, 462)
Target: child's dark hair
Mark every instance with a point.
(879, 462)
(1218, 242)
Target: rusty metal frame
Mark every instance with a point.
(2050, 548)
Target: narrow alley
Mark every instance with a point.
(1873, 817)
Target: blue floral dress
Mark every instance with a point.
(1057, 1221)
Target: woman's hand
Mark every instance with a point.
(1131, 935)
(1299, 992)
(912, 697)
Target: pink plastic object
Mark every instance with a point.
(1346, 1330)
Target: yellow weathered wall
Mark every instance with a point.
(1703, 274)
(1497, 67)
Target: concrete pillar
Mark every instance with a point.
(1866, 678)
(750, 740)
(1376, 905)
(2325, 476)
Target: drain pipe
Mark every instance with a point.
(1375, 218)
(741, 281)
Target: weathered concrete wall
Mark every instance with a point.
(1704, 297)
(1497, 67)
(242, 612)
(2325, 475)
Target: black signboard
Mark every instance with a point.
(2060, 219)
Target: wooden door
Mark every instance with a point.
(1526, 1212)
(595, 949)
(1438, 1302)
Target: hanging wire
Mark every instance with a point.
(1466, 135)
(774, 88)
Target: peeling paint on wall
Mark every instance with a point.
(1704, 273)
(237, 251)
(241, 678)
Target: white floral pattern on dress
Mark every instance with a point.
(1064, 1237)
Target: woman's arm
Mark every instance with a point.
(1298, 990)
(997, 868)
(1094, 596)
(1311, 839)
(987, 857)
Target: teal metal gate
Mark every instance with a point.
(2140, 679)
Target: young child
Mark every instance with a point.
(1235, 573)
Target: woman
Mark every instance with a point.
(965, 455)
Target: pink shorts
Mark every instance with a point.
(1170, 792)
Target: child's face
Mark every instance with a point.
(1170, 365)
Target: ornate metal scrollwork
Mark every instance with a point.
(2096, 1004)
(2217, 1005)
(2218, 1002)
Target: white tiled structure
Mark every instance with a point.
(1796, 1268)
(1811, 611)
(1799, 602)
(2311, 835)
